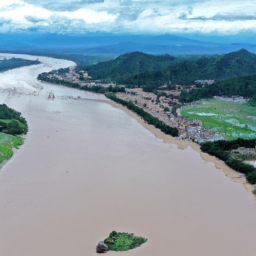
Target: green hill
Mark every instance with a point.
(128, 65)
(152, 71)
(240, 63)
(242, 86)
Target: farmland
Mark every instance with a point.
(232, 120)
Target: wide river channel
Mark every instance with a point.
(87, 168)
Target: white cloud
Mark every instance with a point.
(89, 16)
(137, 16)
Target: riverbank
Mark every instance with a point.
(183, 144)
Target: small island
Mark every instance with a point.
(118, 241)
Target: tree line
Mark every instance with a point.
(95, 89)
(148, 118)
(222, 150)
(7, 64)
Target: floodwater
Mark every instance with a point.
(87, 168)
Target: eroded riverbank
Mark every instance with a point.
(88, 168)
(183, 144)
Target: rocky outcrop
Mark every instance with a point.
(101, 247)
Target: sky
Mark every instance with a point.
(224, 17)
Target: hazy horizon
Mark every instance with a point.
(187, 18)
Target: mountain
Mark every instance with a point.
(116, 44)
(240, 63)
(128, 65)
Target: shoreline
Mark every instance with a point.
(82, 156)
(219, 164)
(47, 62)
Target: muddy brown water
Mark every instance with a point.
(88, 168)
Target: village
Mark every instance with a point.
(163, 104)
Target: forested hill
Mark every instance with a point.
(152, 71)
(129, 64)
(242, 86)
(7, 64)
(240, 63)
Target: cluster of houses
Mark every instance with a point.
(82, 78)
(162, 109)
(204, 82)
(236, 99)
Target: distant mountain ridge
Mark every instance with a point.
(115, 44)
(156, 72)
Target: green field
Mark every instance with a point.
(7, 143)
(232, 120)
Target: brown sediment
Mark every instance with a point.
(92, 169)
(183, 144)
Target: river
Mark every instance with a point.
(87, 168)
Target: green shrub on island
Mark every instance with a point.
(118, 241)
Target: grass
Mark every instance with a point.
(7, 143)
(123, 241)
(232, 120)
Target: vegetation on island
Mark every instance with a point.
(222, 150)
(118, 241)
(148, 118)
(7, 64)
(12, 124)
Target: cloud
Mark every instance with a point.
(220, 17)
(64, 5)
(124, 16)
